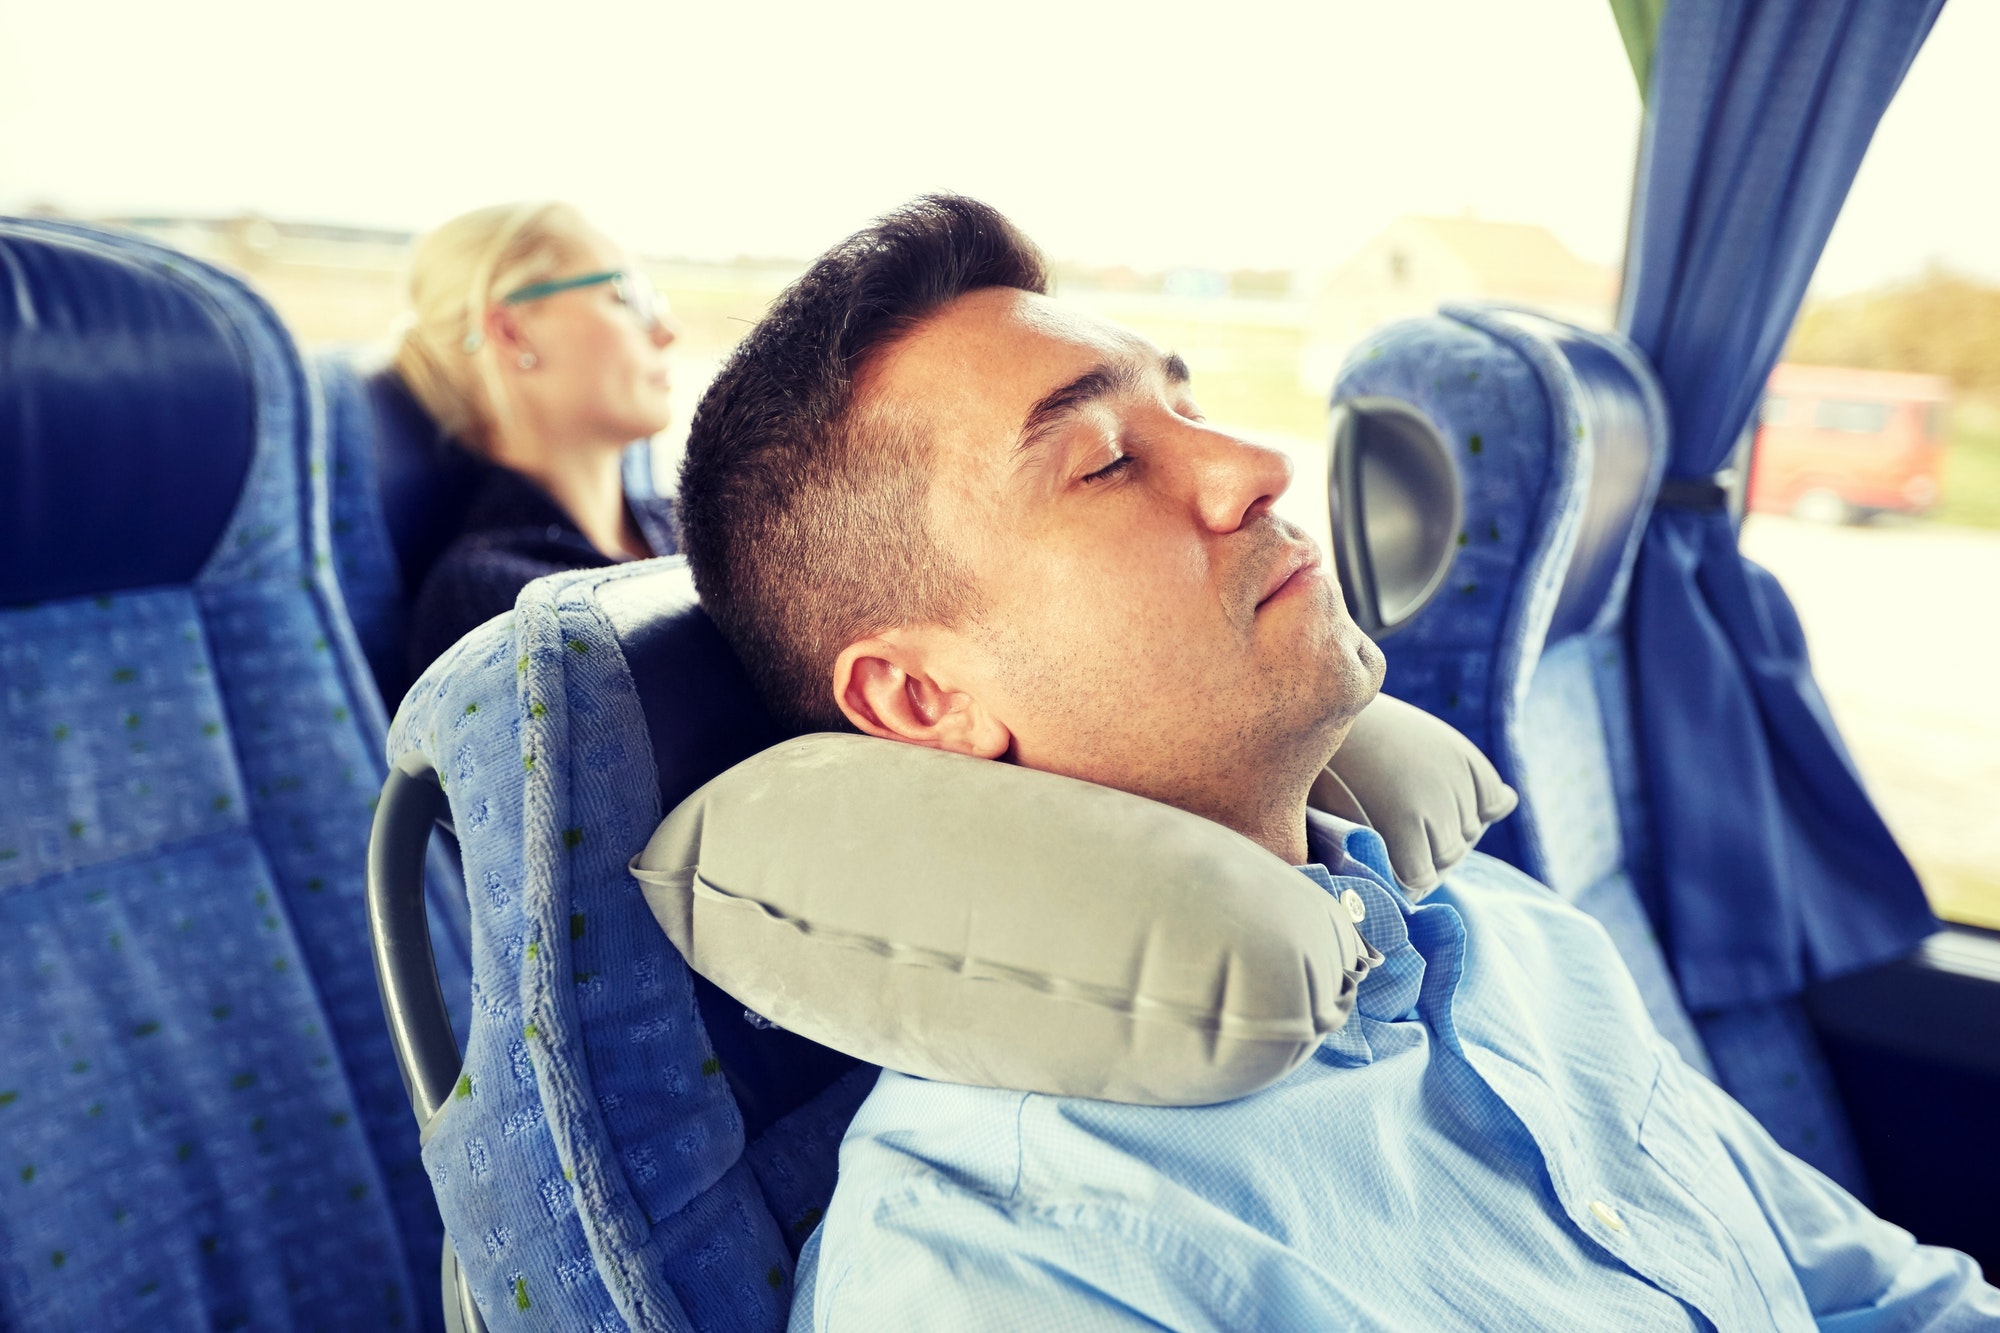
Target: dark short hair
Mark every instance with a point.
(804, 521)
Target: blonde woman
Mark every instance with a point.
(537, 344)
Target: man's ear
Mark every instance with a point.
(886, 688)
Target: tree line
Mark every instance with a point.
(1942, 323)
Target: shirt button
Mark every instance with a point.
(1357, 910)
(1606, 1214)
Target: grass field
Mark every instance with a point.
(1969, 491)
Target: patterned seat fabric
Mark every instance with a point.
(1559, 436)
(625, 1146)
(200, 1116)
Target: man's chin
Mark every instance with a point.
(1373, 665)
(1359, 674)
(1355, 659)
(1352, 670)
(1330, 680)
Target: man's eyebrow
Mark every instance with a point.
(1060, 403)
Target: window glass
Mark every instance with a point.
(1905, 310)
(1254, 185)
(1849, 415)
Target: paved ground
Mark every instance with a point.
(1902, 623)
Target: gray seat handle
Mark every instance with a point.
(399, 932)
(412, 803)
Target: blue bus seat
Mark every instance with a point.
(400, 490)
(1559, 437)
(199, 1111)
(624, 1146)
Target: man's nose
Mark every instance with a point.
(1236, 481)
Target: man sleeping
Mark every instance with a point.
(926, 502)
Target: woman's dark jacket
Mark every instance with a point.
(513, 533)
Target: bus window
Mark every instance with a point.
(1853, 417)
(1844, 444)
(1895, 348)
(1261, 275)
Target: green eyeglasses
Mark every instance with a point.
(634, 291)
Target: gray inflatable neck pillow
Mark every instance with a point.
(976, 922)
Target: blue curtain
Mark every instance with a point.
(1774, 868)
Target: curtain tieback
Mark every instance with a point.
(1702, 494)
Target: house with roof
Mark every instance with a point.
(1418, 263)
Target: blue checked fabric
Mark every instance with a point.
(1496, 1139)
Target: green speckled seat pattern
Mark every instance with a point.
(592, 1167)
(201, 1122)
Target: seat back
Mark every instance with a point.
(1559, 439)
(199, 1112)
(399, 491)
(624, 1145)
(1559, 436)
(399, 494)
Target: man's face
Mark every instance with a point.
(1144, 620)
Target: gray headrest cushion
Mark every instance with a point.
(1420, 784)
(978, 922)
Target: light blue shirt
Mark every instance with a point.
(1496, 1139)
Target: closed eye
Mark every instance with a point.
(1109, 470)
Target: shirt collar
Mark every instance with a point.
(1335, 843)
(1352, 859)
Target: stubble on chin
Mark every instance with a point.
(1344, 673)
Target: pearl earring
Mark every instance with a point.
(528, 360)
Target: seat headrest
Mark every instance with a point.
(426, 482)
(127, 416)
(702, 718)
(677, 657)
(1396, 473)
(1626, 417)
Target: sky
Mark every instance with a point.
(1252, 133)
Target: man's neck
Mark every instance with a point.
(1264, 801)
(1277, 824)
(1282, 834)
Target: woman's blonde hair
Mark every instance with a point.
(456, 275)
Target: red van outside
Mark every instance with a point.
(1835, 444)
